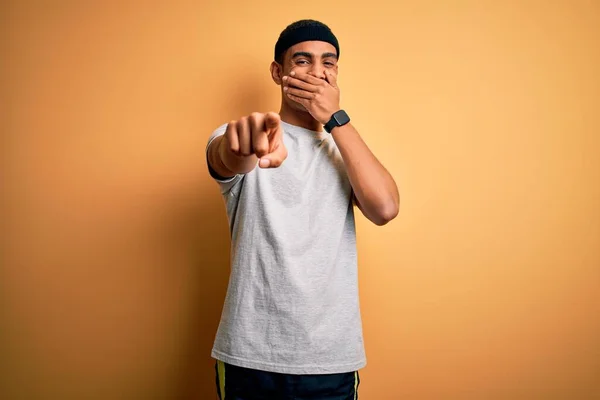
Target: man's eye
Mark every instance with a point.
(301, 62)
(329, 64)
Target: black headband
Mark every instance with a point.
(319, 32)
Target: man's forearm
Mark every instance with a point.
(374, 187)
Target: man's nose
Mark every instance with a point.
(318, 71)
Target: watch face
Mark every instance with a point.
(341, 117)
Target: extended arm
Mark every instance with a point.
(252, 140)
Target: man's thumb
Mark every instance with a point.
(275, 159)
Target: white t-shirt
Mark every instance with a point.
(292, 303)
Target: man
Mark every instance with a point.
(291, 325)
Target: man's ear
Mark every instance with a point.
(276, 71)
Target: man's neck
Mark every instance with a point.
(302, 119)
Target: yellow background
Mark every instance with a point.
(114, 238)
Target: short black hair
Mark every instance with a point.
(300, 31)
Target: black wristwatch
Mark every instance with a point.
(339, 118)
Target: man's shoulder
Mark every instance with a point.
(219, 130)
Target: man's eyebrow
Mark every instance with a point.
(311, 55)
(302, 54)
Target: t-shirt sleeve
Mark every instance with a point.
(225, 183)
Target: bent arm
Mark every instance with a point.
(374, 187)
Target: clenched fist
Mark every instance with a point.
(259, 135)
